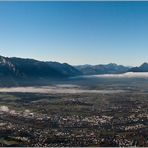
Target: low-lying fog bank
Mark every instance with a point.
(70, 89)
(124, 75)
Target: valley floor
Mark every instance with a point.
(74, 117)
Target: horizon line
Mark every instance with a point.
(81, 64)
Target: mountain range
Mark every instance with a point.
(20, 69)
(17, 71)
(23, 68)
(141, 68)
(111, 68)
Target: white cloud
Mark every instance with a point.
(124, 75)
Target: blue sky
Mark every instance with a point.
(75, 32)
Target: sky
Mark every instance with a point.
(75, 32)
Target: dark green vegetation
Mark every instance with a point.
(78, 119)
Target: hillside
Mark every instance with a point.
(19, 69)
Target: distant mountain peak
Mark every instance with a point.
(142, 68)
(112, 64)
(144, 64)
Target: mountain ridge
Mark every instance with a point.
(110, 68)
(24, 67)
(17, 70)
(142, 68)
